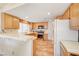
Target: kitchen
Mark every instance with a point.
(14, 27)
(39, 29)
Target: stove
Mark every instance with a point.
(40, 34)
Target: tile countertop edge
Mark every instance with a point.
(71, 46)
(20, 37)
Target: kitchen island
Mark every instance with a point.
(16, 44)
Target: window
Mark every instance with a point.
(23, 27)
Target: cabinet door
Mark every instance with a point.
(74, 16)
(74, 11)
(45, 36)
(15, 23)
(7, 21)
(74, 24)
(66, 15)
(63, 51)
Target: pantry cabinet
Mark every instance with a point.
(9, 21)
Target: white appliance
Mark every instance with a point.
(62, 31)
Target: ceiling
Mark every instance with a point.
(38, 12)
(2, 5)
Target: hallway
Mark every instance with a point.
(43, 48)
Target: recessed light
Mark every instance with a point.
(49, 13)
(26, 17)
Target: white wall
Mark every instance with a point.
(0, 19)
(0, 22)
(63, 32)
(50, 30)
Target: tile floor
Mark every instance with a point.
(44, 48)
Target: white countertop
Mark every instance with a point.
(17, 36)
(71, 46)
(16, 44)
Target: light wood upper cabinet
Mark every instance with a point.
(74, 16)
(74, 24)
(15, 23)
(7, 21)
(66, 15)
(74, 11)
(10, 22)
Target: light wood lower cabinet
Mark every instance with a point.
(45, 36)
(63, 51)
(69, 48)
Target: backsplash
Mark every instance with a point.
(11, 31)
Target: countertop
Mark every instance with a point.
(29, 33)
(71, 46)
(17, 36)
(35, 33)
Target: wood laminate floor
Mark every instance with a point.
(43, 48)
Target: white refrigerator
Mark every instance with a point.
(62, 31)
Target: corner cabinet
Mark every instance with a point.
(74, 16)
(9, 21)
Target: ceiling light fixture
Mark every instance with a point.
(26, 17)
(49, 13)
